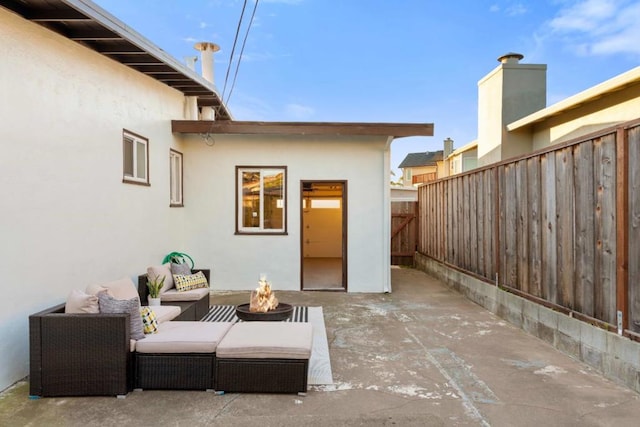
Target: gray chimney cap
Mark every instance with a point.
(510, 56)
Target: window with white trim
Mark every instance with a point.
(175, 172)
(135, 159)
(261, 200)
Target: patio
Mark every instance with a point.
(422, 355)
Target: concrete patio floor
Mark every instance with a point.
(422, 355)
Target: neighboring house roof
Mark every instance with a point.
(86, 23)
(617, 83)
(396, 130)
(428, 158)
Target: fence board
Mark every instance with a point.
(549, 239)
(522, 218)
(605, 229)
(480, 220)
(490, 210)
(535, 237)
(565, 212)
(473, 225)
(510, 225)
(633, 138)
(585, 233)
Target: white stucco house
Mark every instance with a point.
(111, 161)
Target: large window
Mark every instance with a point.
(261, 200)
(175, 167)
(136, 159)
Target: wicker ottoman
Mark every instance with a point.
(180, 356)
(264, 357)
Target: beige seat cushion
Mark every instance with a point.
(165, 313)
(184, 337)
(191, 295)
(267, 340)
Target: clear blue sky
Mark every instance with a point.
(391, 61)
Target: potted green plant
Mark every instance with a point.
(155, 285)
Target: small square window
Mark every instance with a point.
(135, 159)
(175, 168)
(262, 207)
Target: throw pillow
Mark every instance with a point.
(192, 281)
(157, 271)
(149, 320)
(120, 289)
(79, 302)
(109, 304)
(182, 269)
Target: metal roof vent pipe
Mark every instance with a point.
(191, 102)
(206, 52)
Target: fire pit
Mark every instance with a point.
(282, 312)
(264, 305)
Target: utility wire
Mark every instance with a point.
(244, 42)
(233, 49)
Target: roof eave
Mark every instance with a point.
(396, 130)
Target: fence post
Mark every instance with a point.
(622, 229)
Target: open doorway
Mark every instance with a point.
(323, 241)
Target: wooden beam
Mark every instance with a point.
(302, 128)
(55, 15)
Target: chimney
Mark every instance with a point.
(448, 148)
(206, 52)
(508, 93)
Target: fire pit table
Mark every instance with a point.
(282, 312)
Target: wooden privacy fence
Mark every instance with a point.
(560, 226)
(404, 232)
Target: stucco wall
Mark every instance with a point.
(237, 260)
(616, 107)
(67, 219)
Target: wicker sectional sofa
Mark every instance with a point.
(93, 354)
(90, 354)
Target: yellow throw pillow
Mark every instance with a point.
(149, 320)
(191, 281)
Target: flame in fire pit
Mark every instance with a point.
(263, 299)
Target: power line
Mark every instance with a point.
(233, 49)
(244, 42)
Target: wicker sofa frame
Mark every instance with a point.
(174, 371)
(79, 354)
(261, 375)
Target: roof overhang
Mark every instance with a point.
(86, 23)
(605, 88)
(395, 130)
